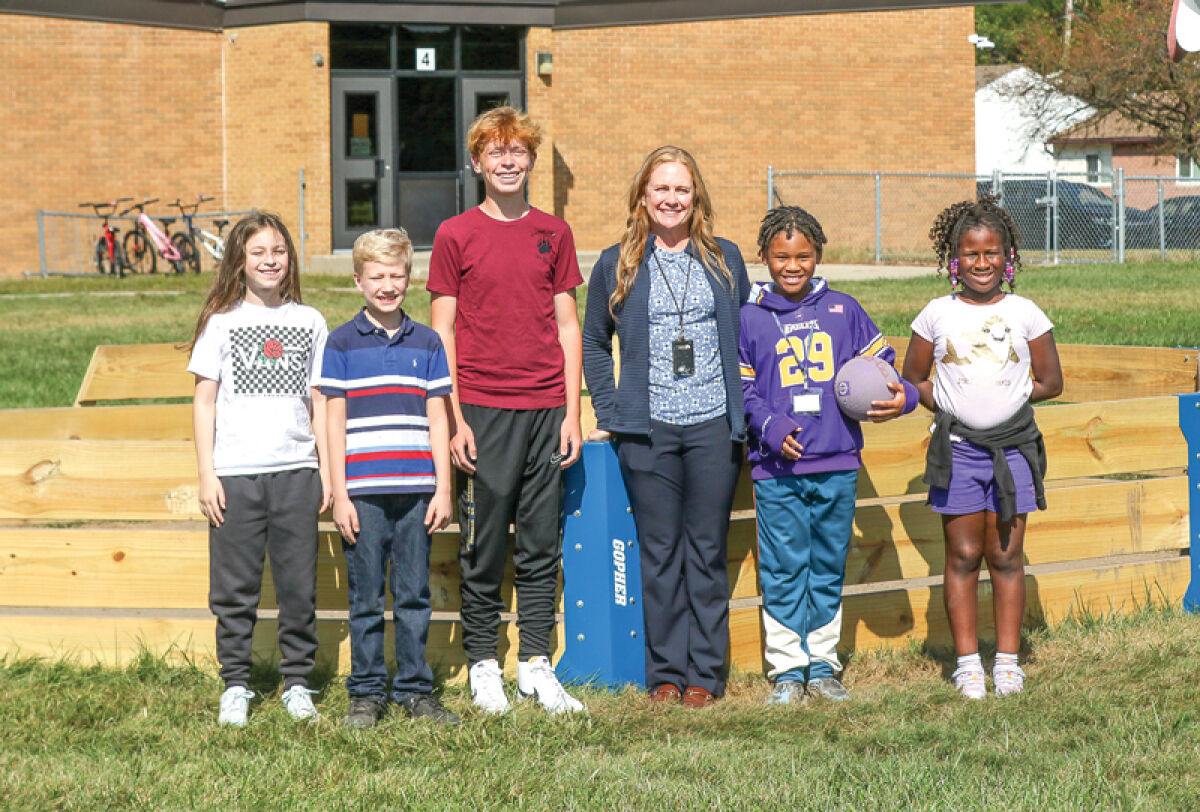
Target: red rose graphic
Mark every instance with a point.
(273, 349)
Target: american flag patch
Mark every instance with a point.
(835, 308)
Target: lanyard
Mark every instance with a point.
(807, 344)
(687, 280)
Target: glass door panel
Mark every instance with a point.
(362, 187)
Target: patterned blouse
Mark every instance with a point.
(691, 399)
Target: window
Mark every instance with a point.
(360, 46)
(1187, 167)
(1093, 168)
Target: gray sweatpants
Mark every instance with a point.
(273, 514)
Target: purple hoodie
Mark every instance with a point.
(823, 331)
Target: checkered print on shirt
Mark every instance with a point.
(271, 361)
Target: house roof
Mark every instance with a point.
(218, 14)
(1108, 128)
(986, 74)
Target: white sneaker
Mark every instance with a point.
(235, 705)
(1008, 679)
(487, 687)
(536, 678)
(299, 704)
(970, 682)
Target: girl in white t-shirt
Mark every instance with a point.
(986, 458)
(256, 357)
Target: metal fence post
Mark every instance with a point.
(1052, 217)
(998, 185)
(1189, 424)
(303, 227)
(878, 217)
(1119, 243)
(770, 187)
(1162, 226)
(42, 243)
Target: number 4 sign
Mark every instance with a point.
(426, 59)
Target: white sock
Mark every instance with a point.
(1007, 659)
(971, 661)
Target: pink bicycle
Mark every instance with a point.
(146, 241)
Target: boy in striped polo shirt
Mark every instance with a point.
(387, 386)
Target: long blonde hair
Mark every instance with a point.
(637, 225)
(229, 287)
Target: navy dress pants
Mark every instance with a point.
(681, 481)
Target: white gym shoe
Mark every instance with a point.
(235, 705)
(299, 704)
(487, 687)
(536, 678)
(1008, 679)
(970, 682)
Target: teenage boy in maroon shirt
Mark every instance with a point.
(502, 280)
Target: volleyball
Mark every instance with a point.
(860, 381)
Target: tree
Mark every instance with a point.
(1004, 24)
(1115, 61)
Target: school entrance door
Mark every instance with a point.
(401, 102)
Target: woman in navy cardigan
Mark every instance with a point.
(670, 291)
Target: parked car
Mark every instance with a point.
(1180, 222)
(1085, 215)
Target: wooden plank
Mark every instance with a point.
(148, 422)
(1082, 440)
(892, 542)
(169, 421)
(895, 618)
(133, 371)
(149, 568)
(119, 640)
(887, 619)
(101, 480)
(1101, 372)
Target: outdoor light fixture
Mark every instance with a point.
(545, 63)
(319, 60)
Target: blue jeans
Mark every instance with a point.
(391, 528)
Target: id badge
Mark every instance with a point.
(806, 402)
(683, 359)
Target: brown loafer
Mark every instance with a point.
(696, 698)
(665, 693)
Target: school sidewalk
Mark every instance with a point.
(341, 264)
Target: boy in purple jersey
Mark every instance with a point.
(388, 388)
(795, 335)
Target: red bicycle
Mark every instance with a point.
(109, 256)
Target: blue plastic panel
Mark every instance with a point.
(1189, 424)
(602, 576)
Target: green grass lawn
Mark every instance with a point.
(1110, 720)
(46, 340)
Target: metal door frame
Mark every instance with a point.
(381, 167)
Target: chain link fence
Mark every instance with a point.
(1061, 217)
(69, 243)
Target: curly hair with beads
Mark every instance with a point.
(957, 219)
(787, 220)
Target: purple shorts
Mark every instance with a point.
(973, 482)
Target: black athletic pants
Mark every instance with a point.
(517, 480)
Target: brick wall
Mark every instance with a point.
(237, 114)
(882, 90)
(99, 111)
(277, 122)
